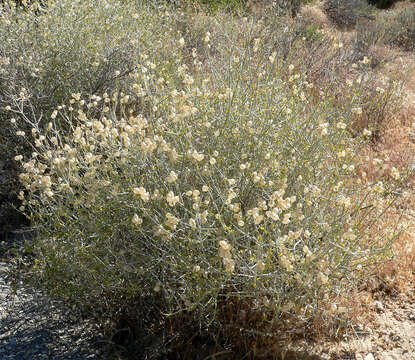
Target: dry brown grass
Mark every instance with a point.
(396, 148)
(398, 274)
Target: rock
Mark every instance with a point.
(369, 357)
(379, 306)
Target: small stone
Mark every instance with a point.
(379, 306)
(369, 357)
(396, 316)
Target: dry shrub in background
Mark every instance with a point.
(346, 14)
(313, 14)
(400, 28)
(394, 28)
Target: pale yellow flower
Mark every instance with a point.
(145, 196)
(172, 199)
(171, 221)
(260, 266)
(192, 224)
(357, 110)
(172, 177)
(197, 156)
(137, 220)
(286, 218)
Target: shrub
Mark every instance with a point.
(400, 29)
(220, 195)
(394, 28)
(346, 13)
(290, 7)
(76, 48)
(216, 5)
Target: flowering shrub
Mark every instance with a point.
(197, 189)
(214, 183)
(76, 47)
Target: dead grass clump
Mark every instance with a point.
(397, 275)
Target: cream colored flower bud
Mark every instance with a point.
(286, 219)
(172, 177)
(137, 220)
(172, 199)
(192, 224)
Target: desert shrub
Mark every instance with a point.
(48, 55)
(368, 34)
(224, 195)
(10, 145)
(76, 47)
(400, 29)
(215, 5)
(36, 6)
(280, 7)
(394, 28)
(346, 14)
(290, 7)
(334, 64)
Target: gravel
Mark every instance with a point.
(33, 326)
